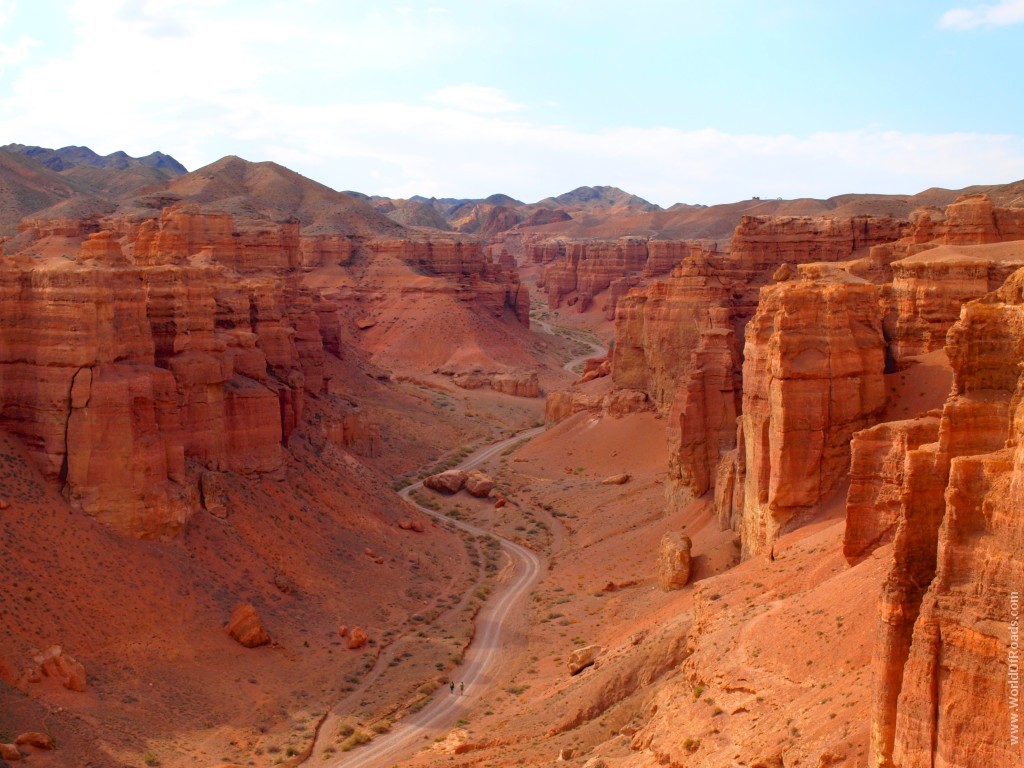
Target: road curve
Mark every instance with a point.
(411, 733)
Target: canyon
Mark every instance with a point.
(773, 522)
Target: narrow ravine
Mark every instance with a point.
(476, 672)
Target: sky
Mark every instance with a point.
(689, 101)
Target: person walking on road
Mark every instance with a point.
(462, 688)
(452, 686)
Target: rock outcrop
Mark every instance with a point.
(930, 287)
(54, 664)
(562, 404)
(181, 340)
(584, 657)
(941, 662)
(245, 627)
(450, 481)
(763, 243)
(878, 475)
(674, 560)
(576, 271)
(702, 417)
(478, 484)
(812, 376)
(515, 383)
(466, 263)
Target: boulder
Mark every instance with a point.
(581, 658)
(358, 638)
(246, 628)
(479, 484)
(674, 561)
(35, 739)
(617, 479)
(9, 752)
(450, 481)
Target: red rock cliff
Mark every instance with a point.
(813, 370)
(941, 663)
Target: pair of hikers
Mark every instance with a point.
(462, 687)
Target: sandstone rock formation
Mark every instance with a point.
(878, 473)
(562, 404)
(929, 288)
(35, 739)
(674, 560)
(576, 271)
(812, 376)
(766, 242)
(702, 416)
(581, 658)
(478, 484)
(9, 752)
(941, 663)
(449, 481)
(245, 627)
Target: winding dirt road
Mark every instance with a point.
(409, 734)
(413, 732)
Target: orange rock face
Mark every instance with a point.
(187, 337)
(577, 270)
(878, 473)
(812, 376)
(477, 278)
(929, 288)
(763, 242)
(942, 661)
(702, 418)
(54, 664)
(658, 328)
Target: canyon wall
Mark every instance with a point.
(672, 336)
(155, 349)
(925, 268)
(575, 271)
(941, 661)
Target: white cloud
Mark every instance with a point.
(194, 78)
(475, 98)
(1002, 14)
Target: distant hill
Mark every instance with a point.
(27, 187)
(250, 190)
(76, 182)
(499, 212)
(66, 158)
(589, 198)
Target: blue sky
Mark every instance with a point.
(677, 101)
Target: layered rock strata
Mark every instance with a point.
(813, 369)
(942, 663)
(575, 271)
(184, 342)
(929, 288)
